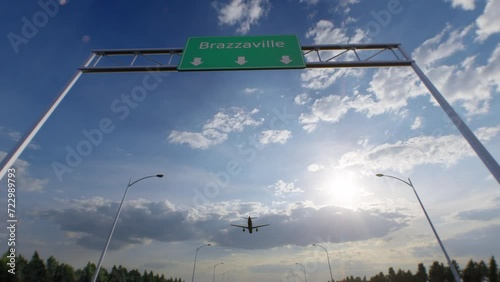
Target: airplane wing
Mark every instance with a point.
(241, 226)
(260, 226)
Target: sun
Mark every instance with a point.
(341, 189)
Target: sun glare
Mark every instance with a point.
(341, 189)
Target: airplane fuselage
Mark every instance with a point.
(250, 225)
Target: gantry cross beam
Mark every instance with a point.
(317, 56)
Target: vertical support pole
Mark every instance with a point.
(476, 145)
(99, 264)
(450, 263)
(10, 158)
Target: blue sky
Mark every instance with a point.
(298, 149)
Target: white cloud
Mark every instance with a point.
(324, 32)
(236, 120)
(315, 167)
(344, 5)
(391, 88)
(491, 71)
(301, 99)
(467, 84)
(489, 22)
(309, 2)
(193, 139)
(243, 13)
(487, 133)
(403, 156)
(417, 123)
(459, 82)
(281, 188)
(467, 5)
(34, 146)
(216, 137)
(250, 90)
(216, 130)
(348, 2)
(274, 136)
(16, 136)
(321, 78)
(441, 46)
(24, 180)
(330, 109)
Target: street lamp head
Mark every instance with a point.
(159, 175)
(379, 174)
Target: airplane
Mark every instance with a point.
(250, 227)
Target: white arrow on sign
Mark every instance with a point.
(196, 62)
(285, 60)
(241, 61)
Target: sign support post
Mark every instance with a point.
(10, 158)
(476, 145)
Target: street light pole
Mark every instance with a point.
(293, 274)
(304, 267)
(224, 274)
(213, 280)
(99, 264)
(195, 255)
(328, 257)
(452, 267)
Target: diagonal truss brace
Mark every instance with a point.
(317, 56)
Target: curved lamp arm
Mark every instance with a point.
(452, 267)
(99, 264)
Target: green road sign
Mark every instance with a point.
(242, 53)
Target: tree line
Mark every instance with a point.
(438, 272)
(51, 270)
(37, 270)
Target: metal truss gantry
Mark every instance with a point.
(317, 56)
